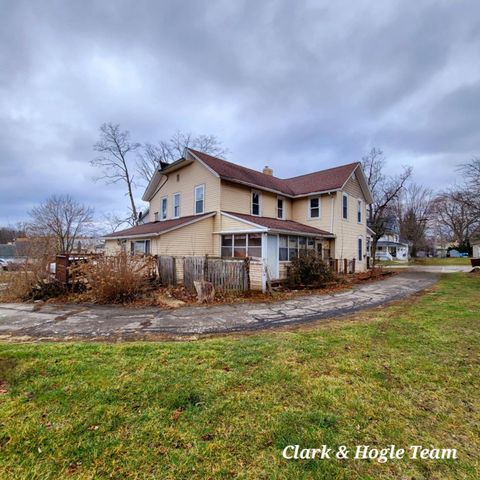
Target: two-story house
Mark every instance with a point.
(203, 205)
(390, 246)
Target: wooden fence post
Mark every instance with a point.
(345, 266)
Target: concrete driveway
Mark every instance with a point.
(60, 322)
(431, 268)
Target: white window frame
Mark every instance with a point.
(162, 211)
(198, 187)
(310, 208)
(176, 195)
(344, 195)
(359, 211)
(259, 214)
(283, 207)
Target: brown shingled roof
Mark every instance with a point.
(279, 224)
(324, 180)
(155, 228)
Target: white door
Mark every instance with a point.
(272, 256)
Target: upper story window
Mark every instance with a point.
(345, 206)
(163, 208)
(280, 208)
(199, 199)
(176, 205)
(255, 203)
(314, 208)
(359, 211)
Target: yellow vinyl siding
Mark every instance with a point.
(194, 239)
(301, 211)
(348, 231)
(238, 198)
(189, 177)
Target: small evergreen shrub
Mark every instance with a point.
(308, 269)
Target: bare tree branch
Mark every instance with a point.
(114, 148)
(385, 190)
(153, 155)
(62, 218)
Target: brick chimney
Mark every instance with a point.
(267, 170)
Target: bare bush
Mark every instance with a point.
(117, 279)
(308, 269)
(30, 278)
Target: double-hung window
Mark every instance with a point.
(345, 206)
(176, 205)
(359, 211)
(163, 208)
(199, 199)
(255, 203)
(314, 210)
(280, 208)
(360, 249)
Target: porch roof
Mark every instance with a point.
(153, 229)
(280, 226)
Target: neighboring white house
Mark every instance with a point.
(476, 248)
(390, 244)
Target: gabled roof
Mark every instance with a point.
(278, 225)
(154, 229)
(322, 181)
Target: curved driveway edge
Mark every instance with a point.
(68, 322)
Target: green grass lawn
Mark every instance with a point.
(225, 407)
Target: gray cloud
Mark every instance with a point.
(298, 85)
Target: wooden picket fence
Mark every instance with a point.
(167, 272)
(226, 275)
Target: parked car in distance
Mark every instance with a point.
(383, 256)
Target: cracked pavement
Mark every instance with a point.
(27, 322)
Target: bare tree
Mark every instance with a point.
(470, 190)
(455, 217)
(114, 148)
(413, 209)
(61, 218)
(385, 190)
(154, 156)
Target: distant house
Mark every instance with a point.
(391, 244)
(476, 248)
(203, 205)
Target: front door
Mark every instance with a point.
(272, 256)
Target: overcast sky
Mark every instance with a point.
(297, 85)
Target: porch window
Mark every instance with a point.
(314, 208)
(241, 245)
(255, 203)
(176, 205)
(280, 211)
(345, 206)
(199, 199)
(255, 245)
(140, 247)
(283, 248)
(227, 245)
(292, 247)
(163, 208)
(359, 211)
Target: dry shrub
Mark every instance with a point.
(310, 270)
(117, 279)
(30, 278)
